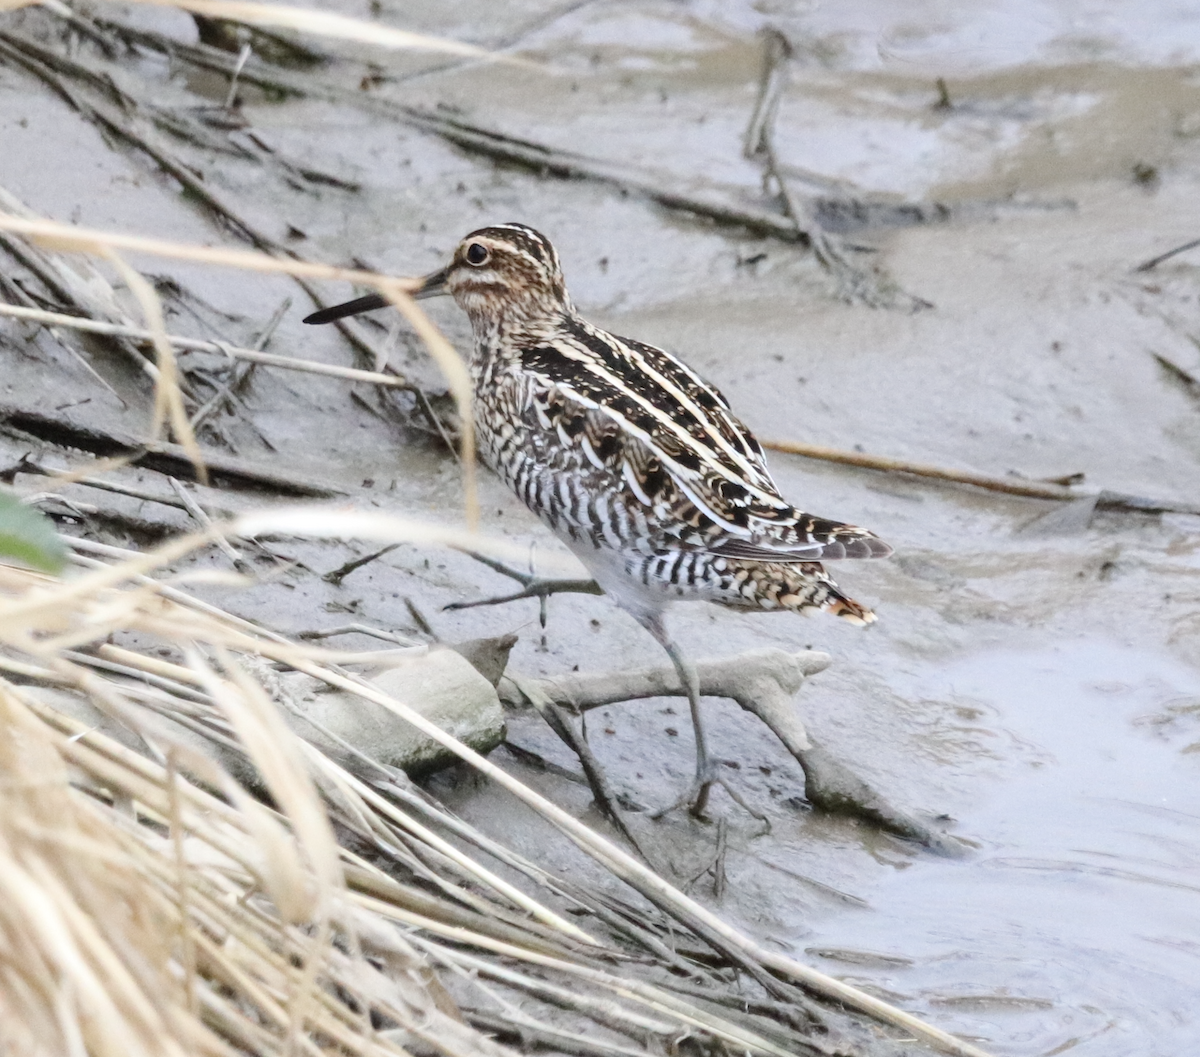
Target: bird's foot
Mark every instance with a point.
(697, 796)
(532, 586)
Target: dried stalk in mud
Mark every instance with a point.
(854, 283)
(31, 424)
(217, 348)
(1018, 486)
(1154, 262)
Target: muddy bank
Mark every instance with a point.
(1034, 678)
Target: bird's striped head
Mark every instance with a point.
(506, 272)
(503, 273)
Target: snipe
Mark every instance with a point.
(629, 456)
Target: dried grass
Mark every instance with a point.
(307, 20)
(140, 912)
(149, 904)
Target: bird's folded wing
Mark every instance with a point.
(845, 541)
(671, 436)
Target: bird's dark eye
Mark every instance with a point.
(477, 253)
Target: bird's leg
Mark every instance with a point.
(706, 769)
(533, 586)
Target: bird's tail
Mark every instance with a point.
(850, 610)
(806, 586)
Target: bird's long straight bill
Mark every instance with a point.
(430, 286)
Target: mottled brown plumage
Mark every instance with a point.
(628, 455)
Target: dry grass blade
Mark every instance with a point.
(1014, 485)
(168, 400)
(1008, 485)
(71, 239)
(323, 24)
(93, 326)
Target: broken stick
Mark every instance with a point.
(1020, 486)
(762, 682)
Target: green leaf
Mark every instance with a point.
(28, 535)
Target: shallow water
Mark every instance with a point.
(1074, 924)
(1039, 684)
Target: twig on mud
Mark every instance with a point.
(528, 1035)
(719, 877)
(205, 522)
(602, 794)
(533, 586)
(1154, 262)
(854, 283)
(241, 371)
(1105, 499)
(539, 762)
(773, 80)
(762, 682)
(141, 528)
(1009, 485)
(356, 629)
(1188, 380)
(217, 348)
(30, 424)
(433, 417)
(231, 95)
(506, 43)
(26, 465)
(337, 575)
(716, 865)
(420, 619)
